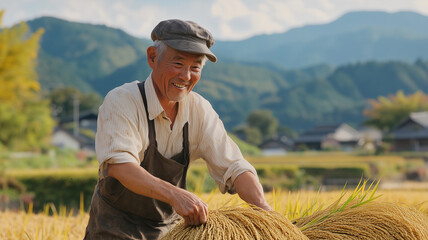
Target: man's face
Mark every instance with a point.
(175, 73)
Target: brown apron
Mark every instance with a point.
(118, 213)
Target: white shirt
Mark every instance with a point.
(122, 134)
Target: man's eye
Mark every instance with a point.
(178, 64)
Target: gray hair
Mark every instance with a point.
(160, 47)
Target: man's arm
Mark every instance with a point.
(249, 189)
(137, 179)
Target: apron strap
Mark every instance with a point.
(152, 131)
(186, 152)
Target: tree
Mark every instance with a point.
(288, 132)
(90, 102)
(25, 120)
(62, 101)
(387, 112)
(249, 134)
(264, 121)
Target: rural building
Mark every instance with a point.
(412, 133)
(321, 137)
(63, 138)
(64, 135)
(278, 145)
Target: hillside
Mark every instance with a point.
(342, 96)
(74, 52)
(356, 36)
(98, 58)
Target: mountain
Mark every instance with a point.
(258, 72)
(356, 36)
(83, 52)
(342, 96)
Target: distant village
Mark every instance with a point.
(410, 135)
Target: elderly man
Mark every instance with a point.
(148, 134)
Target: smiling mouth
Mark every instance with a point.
(179, 85)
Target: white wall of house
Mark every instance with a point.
(274, 152)
(64, 140)
(345, 133)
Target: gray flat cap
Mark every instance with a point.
(186, 36)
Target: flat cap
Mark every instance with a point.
(186, 36)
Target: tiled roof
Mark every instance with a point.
(407, 131)
(420, 117)
(318, 133)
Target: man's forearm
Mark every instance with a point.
(249, 189)
(138, 180)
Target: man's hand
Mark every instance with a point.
(190, 207)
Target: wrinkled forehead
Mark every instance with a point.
(185, 56)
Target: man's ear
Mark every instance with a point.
(151, 56)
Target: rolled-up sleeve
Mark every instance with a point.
(224, 159)
(118, 139)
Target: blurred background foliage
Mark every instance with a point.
(25, 119)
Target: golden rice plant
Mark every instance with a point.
(361, 195)
(247, 223)
(375, 220)
(359, 217)
(51, 224)
(238, 223)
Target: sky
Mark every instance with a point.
(225, 19)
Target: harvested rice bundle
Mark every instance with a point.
(373, 220)
(239, 223)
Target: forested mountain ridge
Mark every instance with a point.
(99, 58)
(342, 96)
(78, 53)
(355, 36)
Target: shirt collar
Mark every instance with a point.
(155, 109)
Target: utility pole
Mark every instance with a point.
(76, 115)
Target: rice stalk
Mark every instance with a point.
(355, 199)
(374, 220)
(238, 223)
(82, 205)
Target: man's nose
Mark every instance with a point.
(185, 74)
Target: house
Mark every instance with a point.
(412, 133)
(335, 136)
(64, 136)
(278, 145)
(65, 139)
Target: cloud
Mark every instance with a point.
(226, 19)
(242, 19)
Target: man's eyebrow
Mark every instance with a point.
(177, 57)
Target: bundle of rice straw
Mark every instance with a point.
(238, 223)
(374, 220)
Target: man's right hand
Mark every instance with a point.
(190, 207)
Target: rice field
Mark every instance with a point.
(62, 223)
